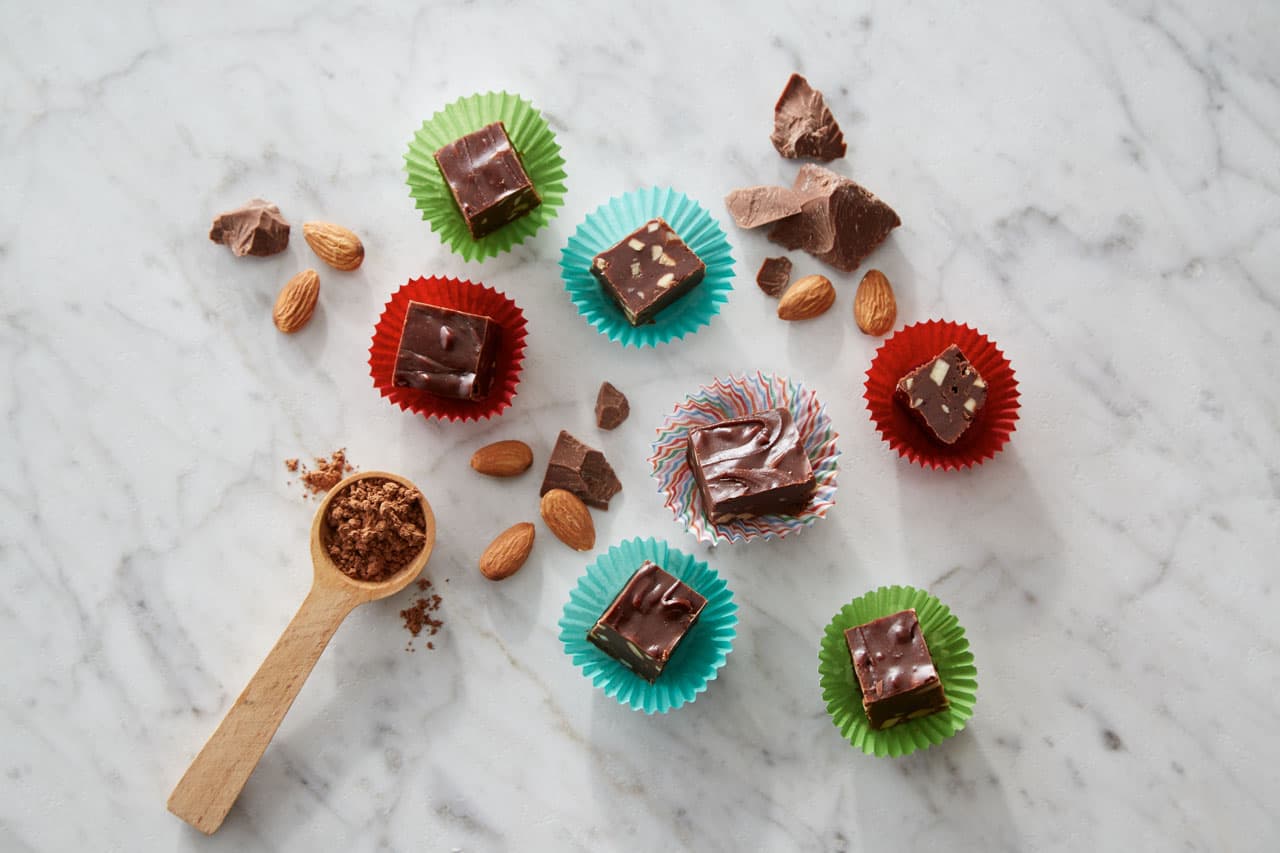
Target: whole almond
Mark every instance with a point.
(338, 247)
(296, 302)
(807, 298)
(503, 458)
(874, 308)
(569, 519)
(507, 553)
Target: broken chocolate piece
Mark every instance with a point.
(945, 393)
(752, 207)
(612, 407)
(840, 222)
(754, 465)
(445, 352)
(487, 179)
(581, 470)
(895, 670)
(648, 270)
(803, 126)
(774, 275)
(646, 621)
(255, 229)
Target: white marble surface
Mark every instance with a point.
(1096, 185)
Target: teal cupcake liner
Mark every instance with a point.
(532, 139)
(617, 218)
(697, 660)
(951, 656)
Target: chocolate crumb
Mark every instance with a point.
(774, 275)
(291, 465)
(612, 407)
(375, 527)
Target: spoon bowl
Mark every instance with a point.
(218, 774)
(328, 573)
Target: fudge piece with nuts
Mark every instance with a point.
(648, 270)
(895, 670)
(487, 179)
(945, 393)
(647, 620)
(448, 353)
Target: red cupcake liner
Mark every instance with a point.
(474, 298)
(913, 346)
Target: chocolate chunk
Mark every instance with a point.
(752, 207)
(895, 670)
(447, 353)
(751, 466)
(945, 393)
(774, 275)
(803, 126)
(255, 229)
(646, 621)
(487, 179)
(648, 270)
(612, 407)
(581, 470)
(840, 222)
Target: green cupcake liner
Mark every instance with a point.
(698, 658)
(951, 655)
(617, 218)
(532, 138)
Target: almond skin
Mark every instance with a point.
(569, 519)
(807, 298)
(296, 302)
(502, 459)
(874, 308)
(338, 247)
(507, 553)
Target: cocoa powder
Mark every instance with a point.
(417, 616)
(374, 528)
(326, 474)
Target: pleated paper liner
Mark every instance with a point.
(731, 398)
(532, 139)
(460, 296)
(698, 658)
(951, 656)
(911, 347)
(617, 218)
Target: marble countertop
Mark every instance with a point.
(1096, 185)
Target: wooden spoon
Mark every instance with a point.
(215, 778)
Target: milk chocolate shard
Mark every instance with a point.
(839, 223)
(257, 228)
(752, 207)
(803, 126)
(612, 407)
(581, 470)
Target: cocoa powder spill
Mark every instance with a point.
(374, 528)
(326, 474)
(417, 616)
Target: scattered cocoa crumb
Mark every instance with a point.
(291, 465)
(417, 616)
(374, 528)
(328, 472)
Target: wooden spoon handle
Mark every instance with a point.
(215, 778)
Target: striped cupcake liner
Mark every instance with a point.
(732, 398)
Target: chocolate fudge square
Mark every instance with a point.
(448, 353)
(647, 620)
(751, 466)
(648, 270)
(945, 393)
(487, 179)
(895, 670)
